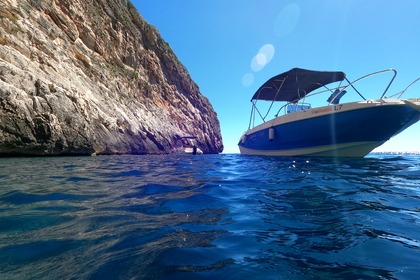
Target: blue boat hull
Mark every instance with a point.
(352, 133)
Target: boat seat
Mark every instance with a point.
(336, 96)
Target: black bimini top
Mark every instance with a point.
(295, 84)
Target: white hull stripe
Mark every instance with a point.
(356, 149)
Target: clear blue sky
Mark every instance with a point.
(218, 42)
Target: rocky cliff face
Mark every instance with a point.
(92, 77)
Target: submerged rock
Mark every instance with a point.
(92, 77)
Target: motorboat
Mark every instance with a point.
(351, 129)
(185, 145)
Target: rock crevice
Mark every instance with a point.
(92, 77)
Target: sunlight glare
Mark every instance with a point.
(248, 79)
(256, 65)
(286, 20)
(263, 57)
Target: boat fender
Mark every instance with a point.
(271, 134)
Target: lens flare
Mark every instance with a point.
(248, 79)
(286, 20)
(262, 58)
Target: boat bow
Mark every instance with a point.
(413, 103)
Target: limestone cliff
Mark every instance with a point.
(92, 77)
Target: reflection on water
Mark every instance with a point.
(206, 217)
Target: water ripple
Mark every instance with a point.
(209, 217)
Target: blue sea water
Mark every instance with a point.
(210, 217)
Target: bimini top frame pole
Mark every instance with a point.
(372, 74)
(254, 104)
(402, 92)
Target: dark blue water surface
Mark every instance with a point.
(210, 217)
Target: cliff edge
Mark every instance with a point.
(92, 77)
